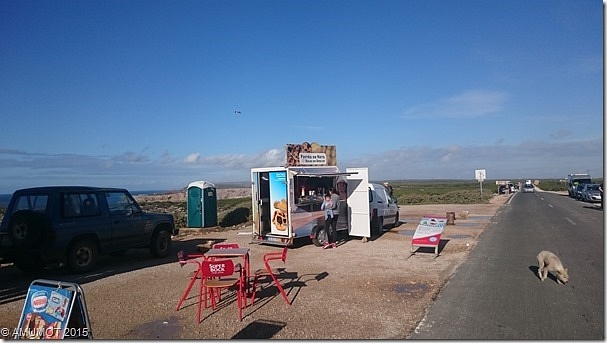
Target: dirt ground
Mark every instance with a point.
(359, 290)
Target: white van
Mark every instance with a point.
(383, 209)
(383, 213)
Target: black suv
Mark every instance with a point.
(75, 224)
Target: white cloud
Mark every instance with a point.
(536, 159)
(192, 158)
(530, 159)
(469, 104)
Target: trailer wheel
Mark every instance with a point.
(320, 236)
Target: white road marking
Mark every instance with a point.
(570, 221)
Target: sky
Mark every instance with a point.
(153, 95)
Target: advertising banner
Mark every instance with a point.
(311, 154)
(429, 231)
(53, 310)
(46, 312)
(278, 198)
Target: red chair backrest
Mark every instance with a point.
(276, 256)
(217, 268)
(226, 246)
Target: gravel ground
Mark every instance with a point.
(356, 291)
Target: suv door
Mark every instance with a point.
(79, 214)
(126, 220)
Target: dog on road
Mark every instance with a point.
(549, 262)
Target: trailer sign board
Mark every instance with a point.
(313, 158)
(310, 154)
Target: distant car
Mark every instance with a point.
(528, 188)
(591, 193)
(573, 180)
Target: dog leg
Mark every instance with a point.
(540, 266)
(544, 273)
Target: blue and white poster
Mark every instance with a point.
(45, 313)
(278, 200)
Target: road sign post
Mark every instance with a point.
(480, 175)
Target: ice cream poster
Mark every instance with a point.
(45, 313)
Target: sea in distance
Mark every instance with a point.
(6, 198)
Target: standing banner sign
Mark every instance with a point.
(278, 198)
(54, 310)
(428, 233)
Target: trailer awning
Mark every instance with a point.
(318, 171)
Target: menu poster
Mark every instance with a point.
(46, 312)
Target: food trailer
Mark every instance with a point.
(286, 200)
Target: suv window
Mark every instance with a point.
(79, 205)
(32, 202)
(120, 203)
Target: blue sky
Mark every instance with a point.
(142, 94)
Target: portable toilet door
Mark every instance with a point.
(209, 206)
(202, 204)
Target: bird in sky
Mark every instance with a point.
(237, 112)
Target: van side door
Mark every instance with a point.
(387, 206)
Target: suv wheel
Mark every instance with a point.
(26, 227)
(161, 244)
(82, 256)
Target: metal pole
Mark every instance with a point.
(481, 182)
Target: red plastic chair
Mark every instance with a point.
(269, 272)
(218, 275)
(197, 260)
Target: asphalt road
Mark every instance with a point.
(496, 294)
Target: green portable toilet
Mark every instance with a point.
(202, 204)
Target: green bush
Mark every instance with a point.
(553, 185)
(443, 192)
(235, 216)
